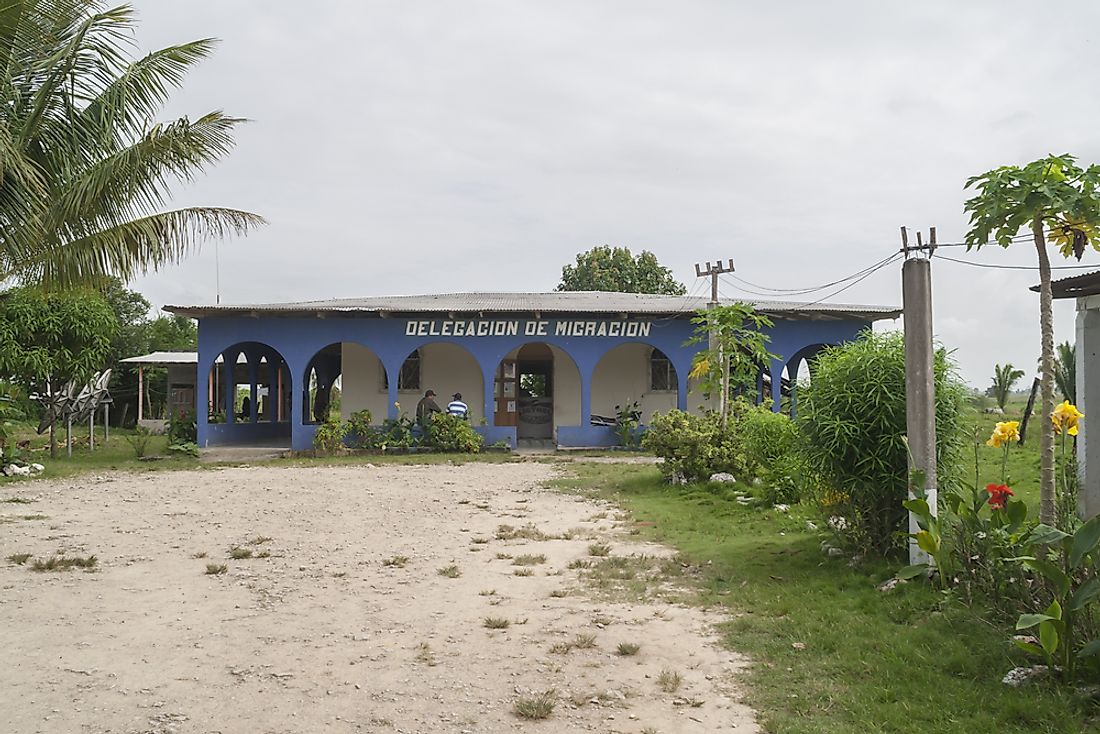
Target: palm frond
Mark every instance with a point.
(137, 246)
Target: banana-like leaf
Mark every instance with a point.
(1085, 541)
(1050, 572)
(1048, 637)
(1026, 621)
(1086, 593)
(911, 572)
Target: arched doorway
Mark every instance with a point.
(537, 388)
(247, 400)
(341, 379)
(446, 368)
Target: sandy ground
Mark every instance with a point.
(321, 636)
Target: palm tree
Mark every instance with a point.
(1003, 380)
(1056, 200)
(84, 173)
(1065, 371)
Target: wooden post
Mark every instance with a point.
(141, 392)
(1027, 411)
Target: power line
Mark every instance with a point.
(804, 291)
(1013, 267)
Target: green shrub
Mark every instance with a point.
(852, 417)
(361, 434)
(139, 440)
(451, 433)
(693, 446)
(767, 437)
(182, 428)
(330, 435)
(185, 448)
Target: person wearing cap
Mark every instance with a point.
(458, 408)
(426, 407)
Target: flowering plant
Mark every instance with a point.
(1065, 418)
(998, 495)
(1004, 434)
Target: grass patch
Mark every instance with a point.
(425, 655)
(529, 560)
(579, 563)
(260, 540)
(669, 681)
(479, 541)
(495, 623)
(536, 707)
(19, 558)
(239, 554)
(17, 501)
(216, 569)
(599, 550)
(395, 561)
(904, 661)
(523, 572)
(584, 642)
(34, 517)
(451, 572)
(559, 594)
(200, 554)
(504, 556)
(627, 649)
(64, 563)
(526, 532)
(487, 592)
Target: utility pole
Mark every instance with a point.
(713, 271)
(920, 388)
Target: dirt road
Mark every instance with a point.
(366, 607)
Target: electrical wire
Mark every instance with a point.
(805, 291)
(994, 266)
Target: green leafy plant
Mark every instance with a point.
(182, 428)
(694, 447)
(360, 431)
(852, 419)
(451, 433)
(1068, 563)
(188, 448)
(627, 419)
(1004, 377)
(616, 269)
(139, 440)
(738, 347)
(330, 435)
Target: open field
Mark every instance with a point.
(355, 598)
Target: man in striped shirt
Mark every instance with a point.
(458, 408)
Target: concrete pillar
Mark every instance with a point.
(253, 393)
(229, 368)
(1088, 402)
(392, 374)
(792, 375)
(488, 395)
(202, 403)
(682, 389)
(586, 396)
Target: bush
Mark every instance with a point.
(451, 433)
(852, 417)
(139, 440)
(182, 428)
(693, 446)
(330, 436)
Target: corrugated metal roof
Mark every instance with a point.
(173, 358)
(581, 302)
(1075, 286)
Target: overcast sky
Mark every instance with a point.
(422, 147)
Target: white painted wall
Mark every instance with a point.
(622, 377)
(1088, 402)
(445, 368)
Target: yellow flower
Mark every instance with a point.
(700, 369)
(1003, 433)
(1066, 417)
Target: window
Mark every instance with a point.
(408, 379)
(662, 375)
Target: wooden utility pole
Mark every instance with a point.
(920, 387)
(713, 270)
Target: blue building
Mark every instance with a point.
(531, 366)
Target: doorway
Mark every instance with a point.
(526, 392)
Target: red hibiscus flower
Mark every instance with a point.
(998, 495)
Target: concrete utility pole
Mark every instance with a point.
(920, 388)
(713, 271)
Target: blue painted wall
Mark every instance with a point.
(297, 340)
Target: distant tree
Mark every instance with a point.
(50, 338)
(1003, 380)
(87, 170)
(1056, 200)
(1065, 371)
(615, 269)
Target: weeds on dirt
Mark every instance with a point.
(523, 572)
(559, 594)
(495, 623)
(451, 572)
(395, 561)
(425, 655)
(216, 569)
(479, 541)
(579, 563)
(529, 560)
(239, 554)
(626, 649)
(260, 540)
(487, 592)
(527, 532)
(34, 517)
(64, 563)
(504, 556)
(599, 549)
(200, 554)
(602, 620)
(19, 558)
(17, 501)
(584, 642)
(539, 706)
(669, 681)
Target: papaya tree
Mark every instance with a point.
(1058, 203)
(1004, 377)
